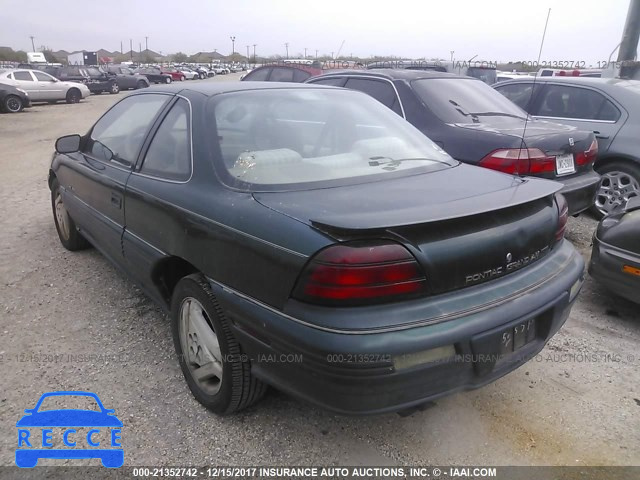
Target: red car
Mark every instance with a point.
(175, 74)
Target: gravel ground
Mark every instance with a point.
(71, 321)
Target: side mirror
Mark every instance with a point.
(68, 144)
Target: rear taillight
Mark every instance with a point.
(519, 161)
(563, 216)
(360, 273)
(588, 156)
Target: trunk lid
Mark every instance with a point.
(552, 138)
(465, 225)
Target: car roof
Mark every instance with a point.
(215, 88)
(395, 74)
(580, 80)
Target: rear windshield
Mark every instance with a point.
(283, 139)
(460, 100)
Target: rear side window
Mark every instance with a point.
(378, 89)
(119, 134)
(566, 101)
(42, 77)
(281, 75)
(169, 155)
(24, 76)
(258, 75)
(518, 93)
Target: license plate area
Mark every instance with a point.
(516, 337)
(565, 164)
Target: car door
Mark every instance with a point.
(25, 80)
(97, 179)
(154, 225)
(582, 107)
(49, 87)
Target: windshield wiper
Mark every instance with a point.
(459, 108)
(497, 114)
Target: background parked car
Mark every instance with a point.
(126, 79)
(281, 73)
(188, 73)
(609, 107)
(153, 74)
(98, 76)
(173, 73)
(42, 87)
(95, 79)
(615, 257)
(12, 99)
(475, 125)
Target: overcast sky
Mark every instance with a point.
(496, 30)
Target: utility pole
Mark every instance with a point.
(286, 45)
(452, 52)
(247, 53)
(332, 55)
(316, 54)
(33, 46)
(131, 48)
(305, 52)
(629, 45)
(146, 43)
(233, 45)
(121, 47)
(254, 52)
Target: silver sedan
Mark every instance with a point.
(42, 87)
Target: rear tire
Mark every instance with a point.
(204, 342)
(73, 95)
(167, 80)
(182, 78)
(115, 88)
(620, 181)
(68, 233)
(12, 104)
(141, 84)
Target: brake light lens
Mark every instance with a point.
(563, 216)
(519, 161)
(360, 273)
(588, 156)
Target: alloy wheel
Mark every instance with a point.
(200, 346)
(13, 104)
(615, 189)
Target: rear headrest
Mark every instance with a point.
(261, 158)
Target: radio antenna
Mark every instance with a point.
(533, 87)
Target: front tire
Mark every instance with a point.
(12, 104)
(115, 88)
(73, 95)
(141, 84)
(167, 80)
(68, 233)
(182, 78)
(620, 182)
(210, 357)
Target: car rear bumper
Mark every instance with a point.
(580, 191)
(606, 267)
(375, 371)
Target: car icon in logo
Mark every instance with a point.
(60, 433)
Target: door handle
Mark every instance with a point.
(599, 135)
(116, 199)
